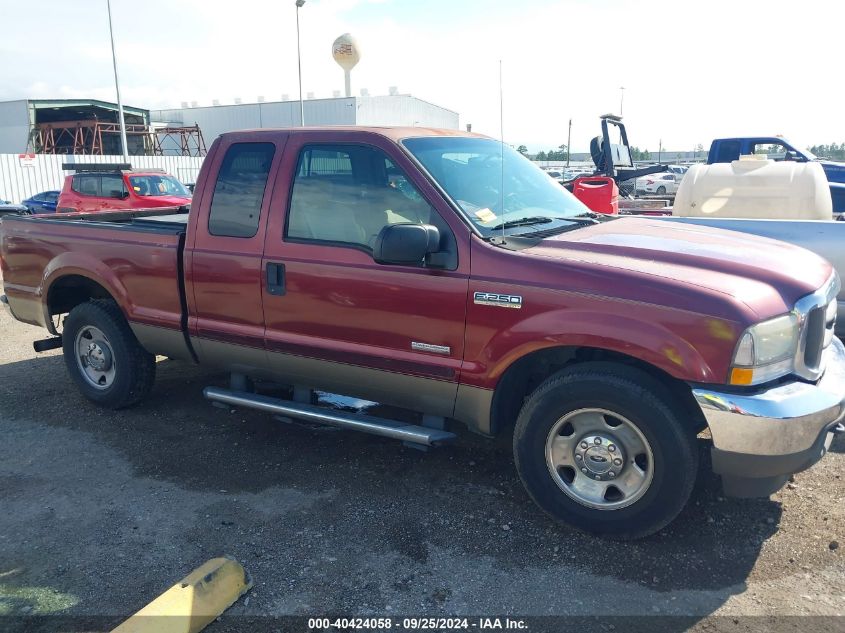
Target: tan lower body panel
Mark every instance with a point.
(473, 406)
(426, 395)
(162, 341)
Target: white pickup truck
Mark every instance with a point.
(747, 194)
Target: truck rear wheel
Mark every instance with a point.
(604, 448)
(103, 356)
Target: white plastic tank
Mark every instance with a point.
(754, 187)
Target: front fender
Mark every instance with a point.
(650, 342)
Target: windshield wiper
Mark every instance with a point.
(521, 222)
(592, 215)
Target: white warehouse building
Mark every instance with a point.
(394, 109)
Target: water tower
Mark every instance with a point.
(346, 53)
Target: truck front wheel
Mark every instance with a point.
(103, 356)
(604, 448)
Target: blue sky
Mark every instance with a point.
(692, 71)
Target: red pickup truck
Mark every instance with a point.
(444, 273)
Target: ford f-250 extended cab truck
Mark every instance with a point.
(444, 273)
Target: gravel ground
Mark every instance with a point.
(101, 511)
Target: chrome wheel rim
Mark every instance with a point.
(95, 357)
(599, 458)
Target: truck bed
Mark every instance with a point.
(137, 253)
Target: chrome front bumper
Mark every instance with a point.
(760, 439)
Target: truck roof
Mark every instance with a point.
(395, 133)
(749, 138)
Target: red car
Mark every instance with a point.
(117, 190)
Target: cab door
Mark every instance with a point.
(223, 255)
(337, 320)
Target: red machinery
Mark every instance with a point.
(599, 193)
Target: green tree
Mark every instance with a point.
(637, 154)
(835, 151)
(522, 150)
(541, 156)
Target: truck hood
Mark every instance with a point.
(767, 276)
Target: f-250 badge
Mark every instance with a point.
(496, 299)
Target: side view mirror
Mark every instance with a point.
(407, 244)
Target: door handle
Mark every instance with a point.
(275, 279)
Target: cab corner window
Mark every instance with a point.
(346, 194)
(239, 190)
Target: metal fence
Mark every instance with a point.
(23, 177)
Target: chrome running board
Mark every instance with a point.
(322, 415)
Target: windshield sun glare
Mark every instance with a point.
(517, 197)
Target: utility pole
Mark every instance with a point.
(659, 150)
(299, 4)
(569, 143)
(124, 145)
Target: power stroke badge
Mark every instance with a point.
(496, 299)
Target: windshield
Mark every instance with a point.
(158, 185)
(517, 195)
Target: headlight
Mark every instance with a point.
(766, 351)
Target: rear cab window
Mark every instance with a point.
(239, 190)
(728, 151)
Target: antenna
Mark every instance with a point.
(502, 151)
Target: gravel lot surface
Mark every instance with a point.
(102, 511)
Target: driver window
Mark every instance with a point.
(346, 194)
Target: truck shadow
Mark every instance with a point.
(383, 497)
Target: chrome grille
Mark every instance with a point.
(817, 323)
(814, 342)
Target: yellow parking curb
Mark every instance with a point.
(194, 602)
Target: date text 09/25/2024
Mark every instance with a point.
(418, 623)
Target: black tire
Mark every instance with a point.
(134, 367)
(661, 191)
(597, 153)
(649, 406)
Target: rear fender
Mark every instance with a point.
(82, 265)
